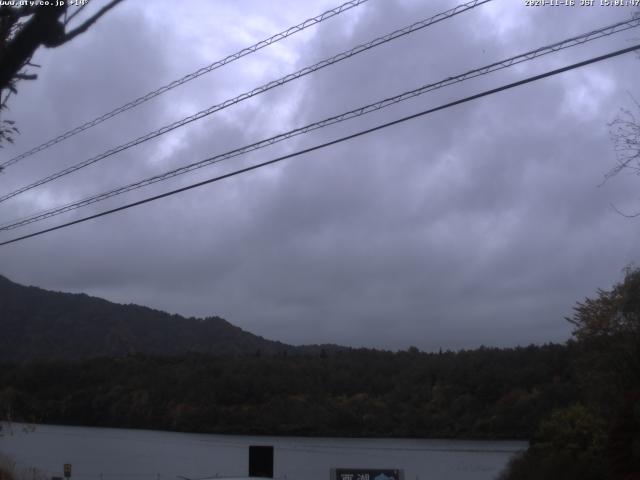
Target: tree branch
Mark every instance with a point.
(25, 76)
(78, 10)
(24, 11)
(43, 27)
(85, 26)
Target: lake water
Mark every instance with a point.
(110, 454)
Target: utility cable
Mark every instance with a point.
(187, 78)
(332, 142)
(577, 40)
(256, 91)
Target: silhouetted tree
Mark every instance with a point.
(609, 325)
(599, 439)
(569, 444)
(23, 29)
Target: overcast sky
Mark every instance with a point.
(480, 224)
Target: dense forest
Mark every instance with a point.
(486, 393)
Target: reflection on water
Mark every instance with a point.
(107, 454)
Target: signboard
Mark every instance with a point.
(67, 470)
(368, 474)
(261, 461)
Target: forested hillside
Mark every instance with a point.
(37, 324)
(577, 403)
(485, 393)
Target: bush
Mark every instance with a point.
(569, 445)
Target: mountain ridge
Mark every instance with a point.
(39, 324)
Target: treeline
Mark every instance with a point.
(484, 393)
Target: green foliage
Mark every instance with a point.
(607, 331)
(485, 393)
(7, 130)
(612, 313)
(9, 25)
(601, 438)
(575, 431)
(569, 444)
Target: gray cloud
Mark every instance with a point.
(481, 224)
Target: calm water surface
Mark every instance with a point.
(110, 454)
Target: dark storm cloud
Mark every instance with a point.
(481, 224)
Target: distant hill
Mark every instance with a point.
(37, 324)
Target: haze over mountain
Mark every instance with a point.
(38, 324)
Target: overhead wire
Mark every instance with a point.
(256, 91)
(187, 78)
(530, 55)
(333, 142)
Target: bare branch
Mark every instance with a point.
(26, 76)
(625, 135)
(78, 10)
(90, 21)
(3, 102)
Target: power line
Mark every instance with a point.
(530, 55)
(256, 91)
(187, 78)
(333, 142)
